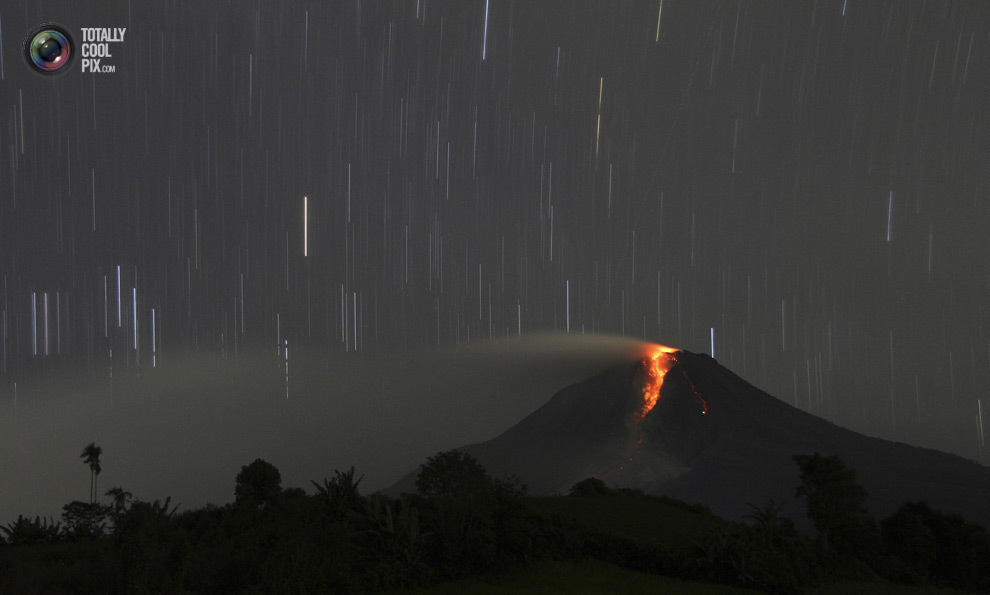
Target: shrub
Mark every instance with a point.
(592, 486)
(25, 531)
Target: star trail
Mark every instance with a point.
(800, 189)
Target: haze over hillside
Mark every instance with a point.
(185, 428)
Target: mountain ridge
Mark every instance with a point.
(715, 439)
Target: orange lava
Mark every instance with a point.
(659, 359)
(704, 403)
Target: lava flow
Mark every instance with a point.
(659, 359)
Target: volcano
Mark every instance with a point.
(679, 424)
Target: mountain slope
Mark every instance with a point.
(715, 439)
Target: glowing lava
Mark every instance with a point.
(659, 359)
(704, 403)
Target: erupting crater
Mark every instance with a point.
(657, 361)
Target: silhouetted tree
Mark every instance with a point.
(151, 551)
(837, 506)
(91, 456)
(451, 472)
(468, 511)
(121, 499)
(783, 560)
(258, 483)
(768, 525)
(84, 520)
(339, 496)
(908, 537)
(392, 544)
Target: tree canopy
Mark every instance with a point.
(451, 472)
(258, 483)
(836, 504)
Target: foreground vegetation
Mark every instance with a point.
(584, 577)
(464, 531)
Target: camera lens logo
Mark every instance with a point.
(49, 49)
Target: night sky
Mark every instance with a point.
(803, 187)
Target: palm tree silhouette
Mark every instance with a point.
(121, 499)
(91, 456)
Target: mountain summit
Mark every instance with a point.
(708, 436)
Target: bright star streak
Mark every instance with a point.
(484, 42)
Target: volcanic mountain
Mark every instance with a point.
(680, 424)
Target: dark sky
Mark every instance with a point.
(803, 184)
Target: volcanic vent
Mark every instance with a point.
(599, 427)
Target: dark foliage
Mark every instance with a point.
(149, 548)
(451, 474)
(473, 516)
(122, 500)
(339, 497)
(257, 484)
(589, 487)
(768, 554)
(84, 520)
(25, 531)
(938, 547)
(462, 522)
(837, 507)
